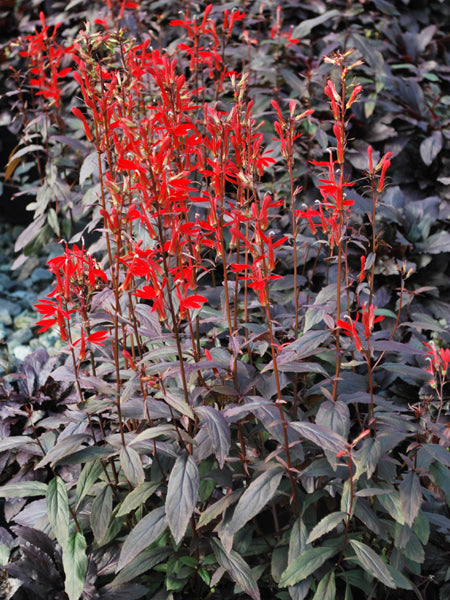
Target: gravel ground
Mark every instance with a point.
(19, 290)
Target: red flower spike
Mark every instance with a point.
(362, 273)
(369, 319)
(356, 90)
(348, 327)
(97, 338)
(77, 112)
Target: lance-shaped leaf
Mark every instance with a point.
(326, 590)
(16, 442)
(182, 492)
(334, 416)
(218, 431)
(145, 561)
(325, 525)
(101, 513)
(321, 436)
(63, 447)
(410, 497)
(304, 29)
(304, 565)
(75, 565)
(88, 476)
(436, 452)
(23, 489)
(218, 507)
(238, 569)
(131, 464)
(137, 497)
(367, 457)
(58, 509)
(260, 491)
(372, 563)
(145, 533)
(431, 146)
(305, 346)
(175, 398)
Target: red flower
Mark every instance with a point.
(348, 327)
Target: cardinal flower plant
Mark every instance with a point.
(226, 409)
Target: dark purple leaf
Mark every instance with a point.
(101, 511)
(431, 146)
(218, 430)
(143, 535)
(260, 491)
(131, 463)
(30, 232)
(182, 492)
(238, 569)
(63, 447)
(410, 497)
(321, 436)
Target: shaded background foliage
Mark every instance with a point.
(127, 549)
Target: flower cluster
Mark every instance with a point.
(438, 361)
(78, 276)
(47, 59)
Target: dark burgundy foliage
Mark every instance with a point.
(248, 391)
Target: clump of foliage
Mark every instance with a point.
(249, 395)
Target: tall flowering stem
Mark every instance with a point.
(333, 188)
(287, 134)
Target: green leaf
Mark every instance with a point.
(144, 562)
(305, 564)
(58, 509)
(23, 489)
(297, 540)
(88, 476)
(75, 565)
(137, 497)
(238, 569)
(373, 563)
(410, 497)
(326, 590)
(304, 29)
(391, 504)
(101, 513)
(182, 492)
(218, 507)
(260, 491)
(363, 511)
(4, 554)
(153, 432)
(421, 528)
(52, 220)
(131, 464)
(145, 533)
(325, 525)
(400, 580)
